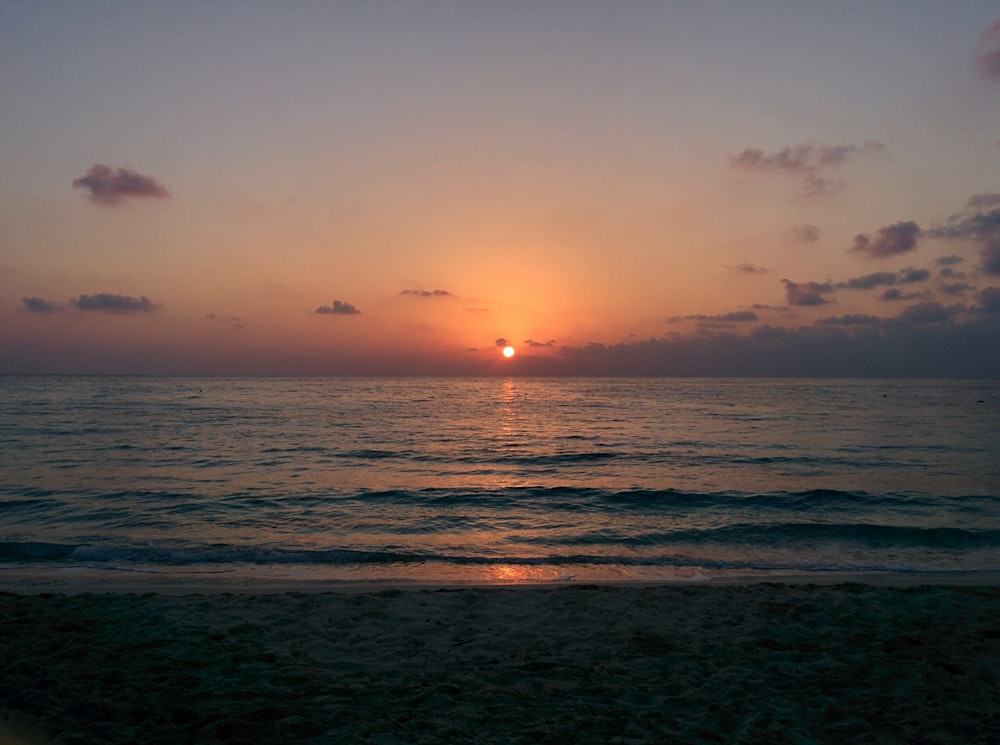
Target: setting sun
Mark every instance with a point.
(508, 351)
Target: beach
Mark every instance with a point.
(695, 663)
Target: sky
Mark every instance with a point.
(403, 188)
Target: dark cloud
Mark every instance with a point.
(233, 320)
(848, 346)
(869, 281)
(426, 293)
(501, 342)
(888, 241)
(989, 300)
(40, 305)
(736, 316)
(990, 255)
(909, 275)
(806, 233)
(109, 186)
(106, 302)
(986, 199)
(988, 52)
(533, 343)
(893, 295)
(338, 308)
(851, 319)
(806, 293)
(977, 225)
(807, 161)
(949, 260)
(747, 268)
(929, 313)
(955, 288)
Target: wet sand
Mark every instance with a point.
(743, 663)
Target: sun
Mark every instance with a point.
(509, 351)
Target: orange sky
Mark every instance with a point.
(664, 188)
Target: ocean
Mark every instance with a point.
(440, 480)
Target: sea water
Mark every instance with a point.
(497, 480)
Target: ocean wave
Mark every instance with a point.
(162, 558)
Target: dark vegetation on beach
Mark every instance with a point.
(753, 664)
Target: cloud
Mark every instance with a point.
(977, 225)
(988, 52)
(807, 161)
(806, 293)
(845, 346)
(929, 313)
(986, 199)
(747, 268)
(736, 316)
(234, 320)
(805, 233)
(426, 293)
(910, 275)
(109, 186)
(955, 288)
(893, 294)
(338, 308)
(501, 342)
(39, 305)
(989, 300)
(888, 241)
(533, 343)
(949, 260)
(869, 281)
(106, 302)
(851, 319)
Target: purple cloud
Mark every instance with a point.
(807, 161)
(426, 293)
(109, 186)
(989, 300)
(851, 319)
(40, 305)
(806, 233)
(806, 293)
(338, 308)
(106, 302)
(980, 226)
(534, 343)
(747, 268)
(888, 241)
(929, 313)
(988, 52)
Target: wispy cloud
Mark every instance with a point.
(929, 313)
(891, 240)
(851, 319)
(746, 268)
(534, 343)
(736, 316)
(338, 308)
(894, 294)
(977, 224)
(805, 233)
(806, 293)
(989, 300)
(40, 305)
(988, 52)
(109, 186)
(106, 302)
(809, 162)
(426, 293)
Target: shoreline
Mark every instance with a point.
(682, 662)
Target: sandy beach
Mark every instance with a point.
(743, 663)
